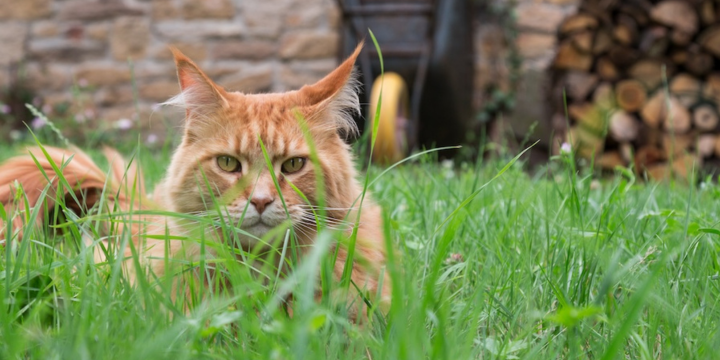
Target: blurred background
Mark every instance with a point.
(97, 69)
(102, 65)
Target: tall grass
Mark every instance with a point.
(536, 267)
(491, 262)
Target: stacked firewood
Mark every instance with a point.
(637, 82)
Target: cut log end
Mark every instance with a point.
(705, 117)
(623, 126)
(630, 95)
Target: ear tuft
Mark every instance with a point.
(199, 95)
(336, 95)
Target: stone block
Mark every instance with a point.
(12, 41)
(263, 18)
(244, 49)
(44, 28)
(159, 91)
(199, 30)
(130, 37)
(97, 31)
(298, 73)
(305, 17)
(195, 51)
(208, 9)
(25, 9)
(102, 73)
(56, 100)
(220, 69)
(249, 80)
(96, 10)
(114, 95)
(120, 117)
(48, 76)
(55, 49)
(334, 16)
(164, 9)
(309, 45)
(540, 17)
(146, 69)
(532, 45)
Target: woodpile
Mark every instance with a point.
(637, 82)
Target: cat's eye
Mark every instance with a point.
(229, 163)
(293, 165)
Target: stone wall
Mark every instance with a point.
(100, 48)
(54, 46)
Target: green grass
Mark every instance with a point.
(533, 266)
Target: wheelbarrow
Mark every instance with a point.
(427, 53)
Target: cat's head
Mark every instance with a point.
(221, 154)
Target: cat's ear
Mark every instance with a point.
(334, 98)
(199, 95)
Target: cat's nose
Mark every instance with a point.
(261, 202)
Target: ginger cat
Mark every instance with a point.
(221, 145)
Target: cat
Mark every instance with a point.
(220, 155)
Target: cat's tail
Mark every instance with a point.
(48, 174)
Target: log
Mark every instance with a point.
(610, 160)
(599, 9)
(654, 41)
(699, 63)
(686, 165)
(707, 13)
(585, 143)
(603, 42)
(711, 90)
(647, 156)
(606, 69)
(717, 147)
(706, 145)
(630, 95)
(569, 58)
(638, 11)
(705, 117)
(650, 72)
(680, 38)
(623, 56)
(673, 115)
(592, 118)
(623, 126)
(677, 117)
(709, 39)
(653, 112)
(579, 84)
(658, 172)
(674, 144)
(677, 14)
(648, 136)
(642, 79)
(604, 97)
(583, 41)
(686, 88)
(679, 56)
(578, 22)
(625, 31)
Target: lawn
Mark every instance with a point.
(559, 264)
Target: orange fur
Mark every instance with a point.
(224, 123)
